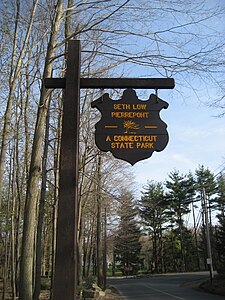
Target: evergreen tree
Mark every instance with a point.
(220, 230)
(172, 250)
(191, 254)
(221, 194)
(207, 189)
(153, 213)
(127, 245)
(206, 179)
(179, 190)
(220, 244)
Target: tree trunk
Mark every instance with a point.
(161, 250)
(155, 255)
(41, 214)
(7, 237)
(56, 198)
(26, 269)
(13, 216)
(182, 250)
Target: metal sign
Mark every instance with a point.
(131, 129)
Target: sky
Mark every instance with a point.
(196, 137)
(196, 133)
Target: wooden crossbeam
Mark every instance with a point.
(97, 83)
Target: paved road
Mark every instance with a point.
(163, 287)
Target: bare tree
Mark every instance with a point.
(32, 195)
(15, 72)
(157, 38)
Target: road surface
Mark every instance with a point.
(163, 287)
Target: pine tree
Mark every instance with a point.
(179, 199)
(220, 244)
(205, 178)
(220, 230)
(207, 189)
(153, 213)
(221, 194)
(127, 245)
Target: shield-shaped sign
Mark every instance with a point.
(130, 128)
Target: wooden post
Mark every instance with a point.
(65, 277)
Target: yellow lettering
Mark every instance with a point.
(108, 139)
(121, 106)
(122, 145)
(129, 114)
(139, 106)
(134, 138)
(144, 145)
(116, 106)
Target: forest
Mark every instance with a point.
(118, 232)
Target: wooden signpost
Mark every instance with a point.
(65, 276)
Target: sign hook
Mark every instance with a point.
(156, 93)
(102, 94)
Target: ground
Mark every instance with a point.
(216, 287)
(113, 295)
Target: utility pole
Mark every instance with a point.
(209, 250)
(104, 251)
(99, 226)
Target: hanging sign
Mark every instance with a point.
(131, 129)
